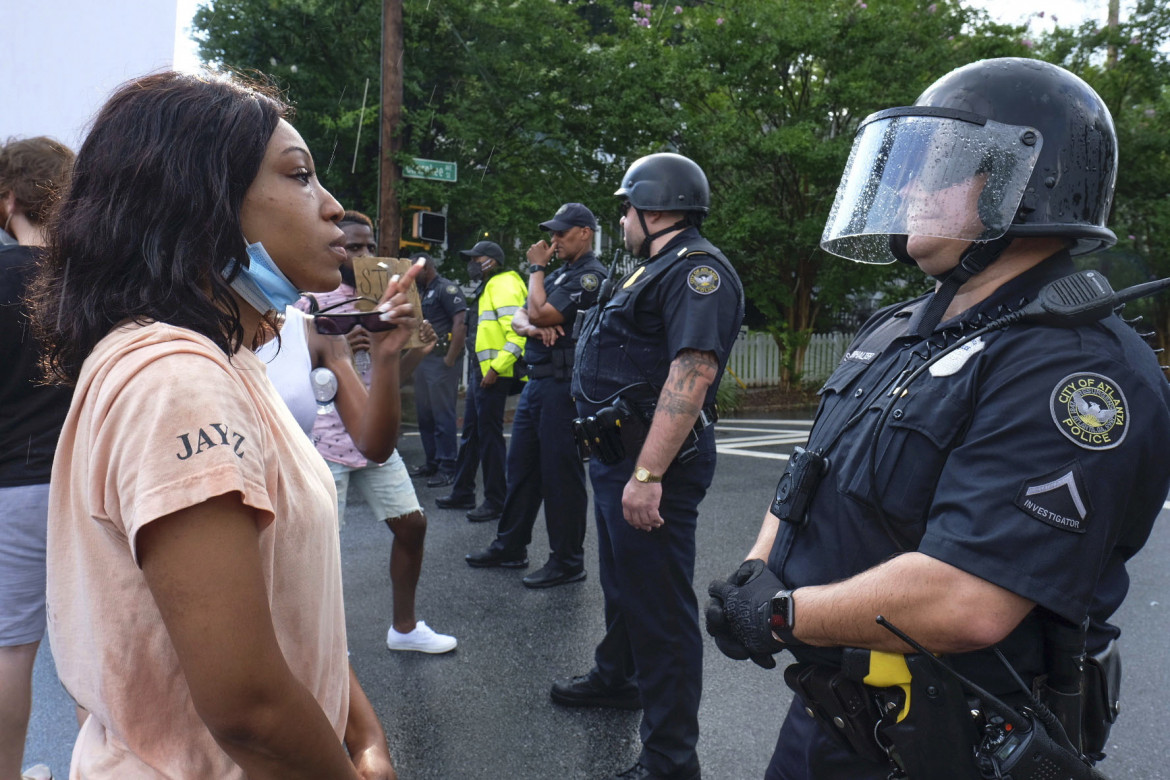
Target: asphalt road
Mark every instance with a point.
(483, 711)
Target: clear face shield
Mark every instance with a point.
(928, 172)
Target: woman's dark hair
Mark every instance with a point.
(151, 217)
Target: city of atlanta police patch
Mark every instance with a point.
(589, 282)
(704, 280)
(1090, 410)
(452, 289)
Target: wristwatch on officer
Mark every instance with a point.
(643, 474)
(536, 267)
(783, 616)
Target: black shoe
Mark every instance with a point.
(483, 513)
(441, 480)
(550, 575)
(422, 471)
(640, 772)
(588, 691)
(454, 502)
(496, 557)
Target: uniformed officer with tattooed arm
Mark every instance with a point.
(650, 356)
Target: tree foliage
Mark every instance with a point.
(1136, 87)
(545, 101)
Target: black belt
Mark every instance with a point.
(558, 366)
(548, 371)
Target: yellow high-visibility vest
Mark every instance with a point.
(497, 345)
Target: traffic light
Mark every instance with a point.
(429, 226)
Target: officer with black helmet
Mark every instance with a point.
(977, 486)
(649, 359)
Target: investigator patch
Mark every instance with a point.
(1090, 410)
(1058, 499)
(589, 282)
(704, 280)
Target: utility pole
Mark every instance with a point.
(1113, 23)
(389, 220)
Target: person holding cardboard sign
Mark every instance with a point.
(385, 485)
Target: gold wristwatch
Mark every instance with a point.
(642, 474)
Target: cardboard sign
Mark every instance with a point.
(372, 275)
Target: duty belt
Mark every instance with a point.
(558, 366)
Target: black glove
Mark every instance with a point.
(740, 611)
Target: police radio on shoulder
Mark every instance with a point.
(1081, 298)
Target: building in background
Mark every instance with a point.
(64, 57)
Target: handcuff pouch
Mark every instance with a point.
(1102, 698)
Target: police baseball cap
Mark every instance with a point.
(571, 215)
(485, 249)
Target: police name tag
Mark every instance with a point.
(951, 362)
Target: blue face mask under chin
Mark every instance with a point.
(262, 284)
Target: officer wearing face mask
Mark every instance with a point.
(499, 351)
(979, 487)
(648, 362)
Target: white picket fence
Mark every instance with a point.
(755, 358)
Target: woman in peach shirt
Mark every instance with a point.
(194, 578)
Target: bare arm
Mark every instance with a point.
(202, 565)
(523, 325)
(943, 607)
(413, 356)
(364, 737)
(371, 417)
(691, 374)
(540, 312)
(458, 338)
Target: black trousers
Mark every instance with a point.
(652, 633)
(482, 443)
(544, 467)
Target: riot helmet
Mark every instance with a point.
(1029, 147)
(665, 182)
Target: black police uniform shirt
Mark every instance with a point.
(1033, 457)
(682, 298)
(441, 301)
(569, 289)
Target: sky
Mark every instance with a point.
(1067, 12)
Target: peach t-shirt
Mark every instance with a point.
(161, 421)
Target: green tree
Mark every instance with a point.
(545, 101)
(767, 95)
(495, 87)
(1135, 87)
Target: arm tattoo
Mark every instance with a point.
(691, 373)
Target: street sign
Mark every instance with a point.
(437, 170)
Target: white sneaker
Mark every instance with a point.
(422, 639)
(38, 772)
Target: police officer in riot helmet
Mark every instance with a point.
(978, 486)
(648, 361)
